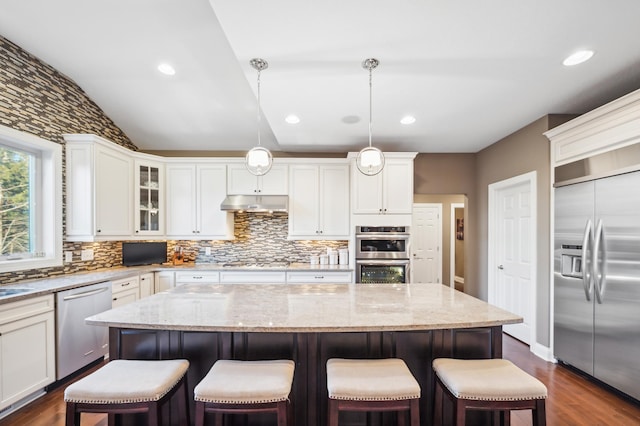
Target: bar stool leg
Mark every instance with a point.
(333, 412)
(459, 412)
(437, 408)
(199, 421)
(539, 414)
(414, 412)
(154, 416)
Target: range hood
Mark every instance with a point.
(255, 203)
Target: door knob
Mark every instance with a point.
(500, 267)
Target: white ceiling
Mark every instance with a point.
(470, 71)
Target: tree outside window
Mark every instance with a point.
(15, 202)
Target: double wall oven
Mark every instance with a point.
(382, 254)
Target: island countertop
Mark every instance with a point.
(301, 308)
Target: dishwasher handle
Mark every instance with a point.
(85, 294)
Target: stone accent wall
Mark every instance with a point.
(260, 238)
(35, 98)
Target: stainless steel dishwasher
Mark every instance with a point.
(77, 343)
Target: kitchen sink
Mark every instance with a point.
(13, 291)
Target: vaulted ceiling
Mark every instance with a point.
(470, 72)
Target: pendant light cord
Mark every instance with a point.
(370, 104)
(259, 107)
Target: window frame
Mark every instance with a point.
(48, 198)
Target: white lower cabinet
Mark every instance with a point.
(310, 277)
(206, 277)
(251, 277)
(125, 291)
(27, 348)
(147, 287)
(164, 280)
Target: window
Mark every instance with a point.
(30, 201)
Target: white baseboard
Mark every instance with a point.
(543, 352)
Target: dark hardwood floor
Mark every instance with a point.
(573, 399)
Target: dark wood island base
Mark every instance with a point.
(310, 351)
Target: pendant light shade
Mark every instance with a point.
(370, 160)
(259, 159)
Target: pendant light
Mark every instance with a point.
(370, 160)
(259, 159)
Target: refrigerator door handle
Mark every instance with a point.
(600, 263)
(587, 275)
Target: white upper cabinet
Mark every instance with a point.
(194, 195)
(319, 201)
(99, 189)
(149, 198)
(388, 192)
(241, 182)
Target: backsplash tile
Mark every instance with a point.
(260, 238)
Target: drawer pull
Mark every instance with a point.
(89, 353)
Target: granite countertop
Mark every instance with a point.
(43, 286)
(306, 308)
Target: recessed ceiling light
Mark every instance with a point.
(166, 69)
(292, 119)
(408, 119)
(577, 58)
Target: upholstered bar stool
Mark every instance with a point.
(129, 386)
(372, 385)
(245, 387)
(490, 385)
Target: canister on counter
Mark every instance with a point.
(343, 255)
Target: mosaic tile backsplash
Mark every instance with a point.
(260, 238)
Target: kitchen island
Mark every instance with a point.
(309, 323)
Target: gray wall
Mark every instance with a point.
(523, 151)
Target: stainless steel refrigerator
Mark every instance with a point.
(597, 279)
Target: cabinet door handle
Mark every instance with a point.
(99, 230)
(89, 353)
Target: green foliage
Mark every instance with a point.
(14, 202)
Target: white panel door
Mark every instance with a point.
(397, 187)
(211, 183)
(514, 254)
(426, 240)
(303, 201)
(114, 199)
(334, 201)
(181, 199)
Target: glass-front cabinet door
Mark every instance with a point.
(149, 198)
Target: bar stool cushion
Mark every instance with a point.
(370, 380)
(127, 381)
(246, 382)
(488, 380)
